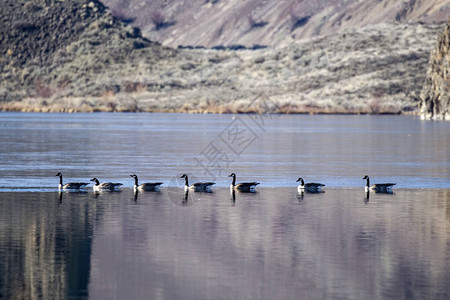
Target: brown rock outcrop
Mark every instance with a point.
(435, 97)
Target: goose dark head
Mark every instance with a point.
(299, 179)
(232, 175)
(96, 181)
(183, 176)
(366, 177)
(59, 174)
(134, 175)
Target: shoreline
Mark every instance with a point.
(214, 113)
(242, 106)
(413, 113)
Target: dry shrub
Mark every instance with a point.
(186, 107)
(376, 103)
(108, 95)
(108, 99)
(135, 87)
(289, 108)
(159, 19)
(42, 90)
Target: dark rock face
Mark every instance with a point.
(435, 95)
(33, 31)
(39, 36)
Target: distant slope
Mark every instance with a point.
(227, 22)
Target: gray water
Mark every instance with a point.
(274, 150)
(273, 244)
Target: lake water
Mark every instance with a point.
(273, 244)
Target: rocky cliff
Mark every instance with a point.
(435, 95)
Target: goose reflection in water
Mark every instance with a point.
(233, 197)
(184, 200)
(366, 200)
(300, 195)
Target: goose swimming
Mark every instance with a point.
(311, 187)
(105, 186)
(378, 187)
(198, 186)
(243, 186)
(148, 186)
(76, 186)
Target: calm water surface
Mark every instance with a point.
(273, 244)
(275, 150)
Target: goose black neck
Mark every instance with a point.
(186, 181)
(97, 182)
(60, 180)
(302, 182)
(136, 181)
(368, 181)
(234, 180)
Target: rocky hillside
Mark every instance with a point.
(273, 23)
(52, 45)
(435, 95)
(75, 55)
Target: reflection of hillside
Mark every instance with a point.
(44, 246)
(333, 245)
(265, 245)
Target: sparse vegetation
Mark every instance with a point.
(108, 66)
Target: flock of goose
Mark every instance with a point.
(311, 187)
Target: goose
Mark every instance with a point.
(378, 187)
(243, 186)
(198, 186)
(148, 186)
(105, 186)
(71, 185)
(311, 187)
